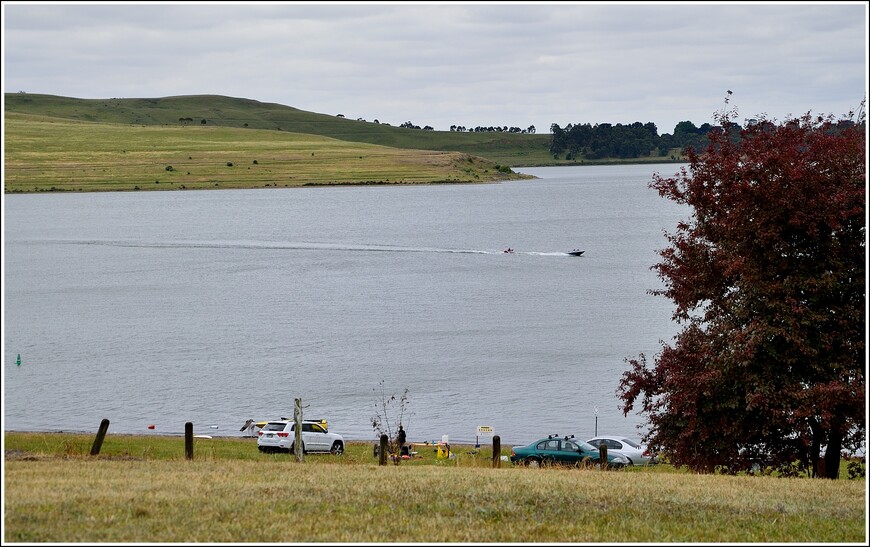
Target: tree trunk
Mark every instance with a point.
(832, 454)
(829, 466)
(815, 448)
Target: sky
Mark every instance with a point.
(440, 64)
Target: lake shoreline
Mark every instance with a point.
(270, 187)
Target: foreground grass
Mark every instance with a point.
(54, 154)
(142, 489)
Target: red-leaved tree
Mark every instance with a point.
(768, 281)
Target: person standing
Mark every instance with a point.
(400, 439)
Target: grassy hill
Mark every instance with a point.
(63, 154)
(510, 149)
(55, 143)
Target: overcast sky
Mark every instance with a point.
(440, 63)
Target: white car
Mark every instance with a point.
(636, 453)
(279, 436)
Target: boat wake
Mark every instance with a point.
(288, 246)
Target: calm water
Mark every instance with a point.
(217, 306)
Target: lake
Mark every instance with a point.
(159, 308)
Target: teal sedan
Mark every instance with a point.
(563, 450)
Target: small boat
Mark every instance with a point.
(575, 252)
(508, 250)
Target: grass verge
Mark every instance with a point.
(141, 489)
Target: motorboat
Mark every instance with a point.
(575, 252)
(508, 250)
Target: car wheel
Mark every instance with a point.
(293, 448)
(337, 448)
(533, 462)
(629, 461)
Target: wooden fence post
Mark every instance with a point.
(382, 451)
(188, 440)
(298, 447)
(101, 434)
(496, 451)
(602, 455)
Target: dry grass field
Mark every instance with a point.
(142, 489)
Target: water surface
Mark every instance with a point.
(158, 308)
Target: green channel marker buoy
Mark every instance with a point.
(18, 361)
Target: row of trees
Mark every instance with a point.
(490, 129)
(602, 140)
(626, 141)
(409, 125)
(768, 281)
(478, 129)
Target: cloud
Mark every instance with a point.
(444, 64)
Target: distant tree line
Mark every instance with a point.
(183, 121)
(606, 140)
(626, 141)
(478, 129)
(409, 125)
(496, 129)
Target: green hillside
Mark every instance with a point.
(56, 154)
(511, 149)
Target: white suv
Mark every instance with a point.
(279, 436)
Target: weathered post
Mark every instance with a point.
(188, 440)
(496, 451)
(101, 434)
(297, 427)
(382, 451)
(602, 455)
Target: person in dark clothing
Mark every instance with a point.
(400, 439)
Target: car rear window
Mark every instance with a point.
(275, 426)
(630, 443)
